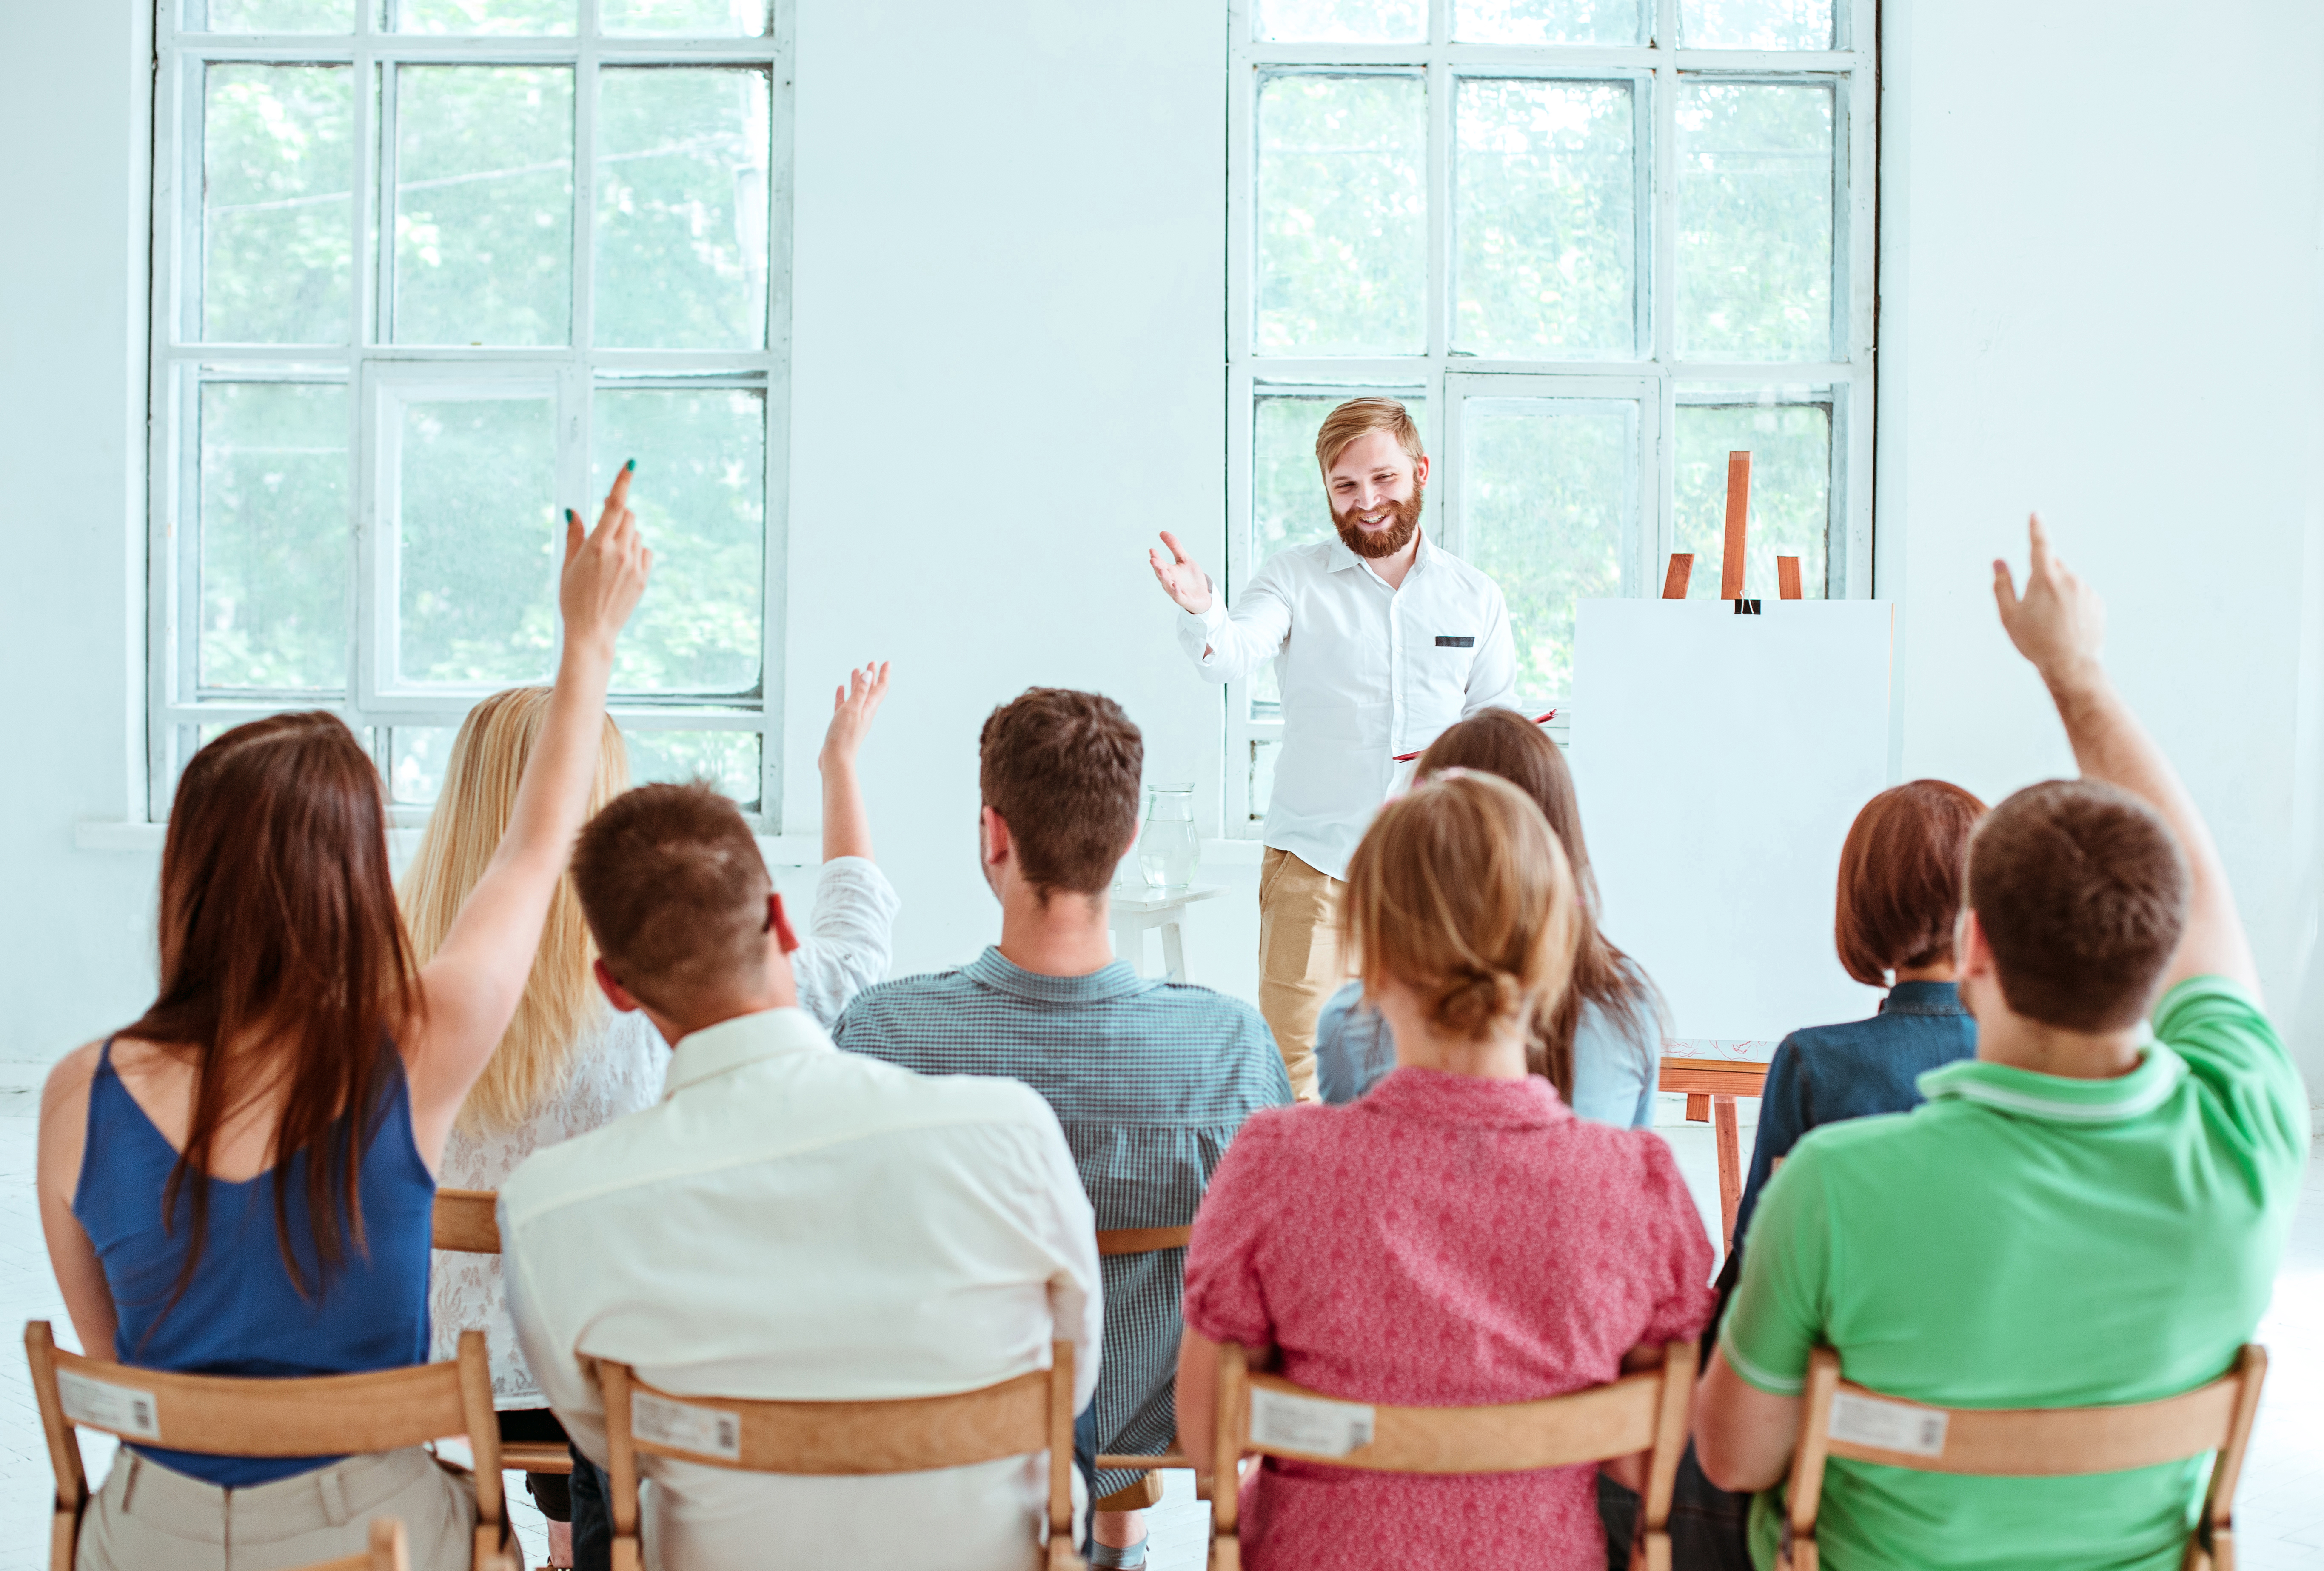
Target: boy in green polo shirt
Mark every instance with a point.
(2082, 1214)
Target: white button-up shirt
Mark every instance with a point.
(1367, 672)
(796, 1223)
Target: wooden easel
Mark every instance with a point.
(1713, 1085)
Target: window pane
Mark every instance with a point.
(278, 178)
(270, 16)
(1549, 486)
(274, 536)
(1754, 24)
(417, 758)
(492, 17)
(483, 205)
(478, 539)
(1755, 232)
(700, 498)
(1343, 215)
(1548, 219)
(682, 208)
(707, 18)
(1549, 21)
(728, 760)
(1287, 505)
(1790, 446)
(1340, 21)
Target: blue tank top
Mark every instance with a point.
(240, 1313)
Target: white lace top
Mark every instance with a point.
(618, 1069)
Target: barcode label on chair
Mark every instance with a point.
(683, 1427)
(1887, 1426)
(118, 1408)
(1321, 1428)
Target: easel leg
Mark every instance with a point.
(1730, 1164)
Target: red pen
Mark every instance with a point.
(1541, 719)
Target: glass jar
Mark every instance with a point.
(1168, 850)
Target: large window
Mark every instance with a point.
(425, 272)
(1595, 246)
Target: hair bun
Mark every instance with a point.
(1474, 999)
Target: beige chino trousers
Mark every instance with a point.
(1299, 958)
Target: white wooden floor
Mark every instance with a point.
(2280, 1511)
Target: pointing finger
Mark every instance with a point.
(2042, 565)
(2004, 590)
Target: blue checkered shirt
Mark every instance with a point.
(1150, 1080)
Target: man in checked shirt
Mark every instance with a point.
(1149, 1079)
(1380, 640)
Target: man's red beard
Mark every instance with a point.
(1382, 543)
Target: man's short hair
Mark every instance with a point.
(2082, 889)
(1361, 417)
(1061, 769)
(675, 891)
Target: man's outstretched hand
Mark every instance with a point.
(2059, 623)
(1180, 578)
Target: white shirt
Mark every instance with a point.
(1367, 672)
(615, 1069)
(797, 1222)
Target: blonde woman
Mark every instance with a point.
(1458, 1236)
(568, 1064)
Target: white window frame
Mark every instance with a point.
(368, 365)
(1847, 384)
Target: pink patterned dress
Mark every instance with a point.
(1445, 1240)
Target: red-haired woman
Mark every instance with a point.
(1900, 892)
(241, 1181)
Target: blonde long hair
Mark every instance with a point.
(561, 1002)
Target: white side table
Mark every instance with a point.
(1134, 912)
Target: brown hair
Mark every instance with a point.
(283, 961)
(2082, 892)
(561, 1001)
(1459, 891)
(1504, 743)
(1900, 879)
(675, 889)
(1060, 768)
(1361, 417)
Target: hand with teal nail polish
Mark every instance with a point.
(605, 571)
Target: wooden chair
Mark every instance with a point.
(467, 1223)
(226, 1415)
(2026, 1443)
(1646, 1412)
(387, 1551)
(1148, 1491)
(1711, 1087)
(1032, 1412)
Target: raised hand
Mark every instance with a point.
(852, 708)
(2060, 622)
(1180, 578)
(605, 572)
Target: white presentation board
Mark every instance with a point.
(1720, 760)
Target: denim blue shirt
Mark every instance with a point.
(1614, 1064)
(1826, 1073)
(1149, 1080)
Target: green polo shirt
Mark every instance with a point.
(2027, 1241)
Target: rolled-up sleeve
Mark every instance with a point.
(1493, 679)
(1224, 1299)
(850, 938)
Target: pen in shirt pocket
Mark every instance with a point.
(1543, 718)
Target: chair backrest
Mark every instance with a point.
(1841, 1419)
(1268, 1416)
(466, 1221)
(230, 1416)
(387, 1551)
(1141, 1240)
(1032, 1412)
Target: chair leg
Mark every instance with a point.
(1652, 1552)
(1226, 1553)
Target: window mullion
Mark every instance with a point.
(584, 205)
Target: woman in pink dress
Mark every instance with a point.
(1456, 1237)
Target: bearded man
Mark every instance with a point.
(1380, 640)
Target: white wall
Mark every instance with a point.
(2099, 298)
(2099, 276)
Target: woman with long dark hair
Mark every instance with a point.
(1599, 1041)
(241, 1181)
